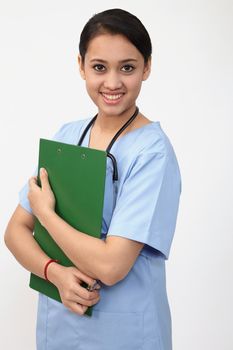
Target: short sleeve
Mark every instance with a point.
(147, 205)
(23, 200)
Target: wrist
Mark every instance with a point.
(53, 271)
(46, 217)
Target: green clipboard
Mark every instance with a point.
(77, 179)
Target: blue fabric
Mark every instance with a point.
(134, 313)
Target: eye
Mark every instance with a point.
(128, 68)
(99, 67)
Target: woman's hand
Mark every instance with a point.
(42, 199)
(68, 279)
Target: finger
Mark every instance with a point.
(89, 303)
(94, 286)
(77, 308)
(90, 281)
(32, 181)
(84, 294)
(78, 299)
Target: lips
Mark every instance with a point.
(112, 98)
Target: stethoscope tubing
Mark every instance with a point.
(110, 155)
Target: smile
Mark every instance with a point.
(112, 97)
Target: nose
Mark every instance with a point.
(112, 81)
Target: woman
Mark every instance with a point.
(131, 309)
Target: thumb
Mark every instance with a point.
(90, 281)
(44, 178)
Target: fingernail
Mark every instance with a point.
(43, 171)
(94, 286)
(97, 286)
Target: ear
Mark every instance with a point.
(81, 67)
(147, 69)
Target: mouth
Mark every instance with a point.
(112, 98)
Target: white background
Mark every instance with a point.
(189, 91)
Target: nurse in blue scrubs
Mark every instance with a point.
(131, 309)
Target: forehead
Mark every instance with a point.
(112, 47)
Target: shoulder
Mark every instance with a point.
(147, 151)
(160, 148)
(69, 132)
(158, 153)
(154, 141)
(156, 157)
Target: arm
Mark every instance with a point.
(108, 261)
(19, 240)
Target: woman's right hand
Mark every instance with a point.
(68, 279)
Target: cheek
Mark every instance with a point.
(134, 83)
(93, 84)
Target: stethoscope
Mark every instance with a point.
(111, 156)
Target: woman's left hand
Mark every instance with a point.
(42, 199)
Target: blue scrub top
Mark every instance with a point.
(134, 313)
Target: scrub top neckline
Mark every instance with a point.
(153, 123)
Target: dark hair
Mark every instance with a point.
(116, 21)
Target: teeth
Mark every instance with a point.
(112, 97)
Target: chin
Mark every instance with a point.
(114, 110)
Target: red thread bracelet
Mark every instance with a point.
(46, 267)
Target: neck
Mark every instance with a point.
(109, 124)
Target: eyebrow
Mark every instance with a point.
(122, 61)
